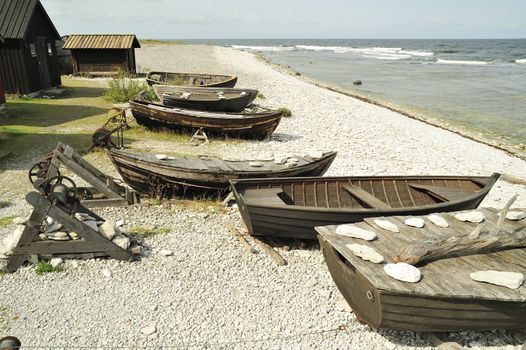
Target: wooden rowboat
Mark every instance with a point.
(191, 79)
(293, 207)
(446, 298)
(146, 173)
(205, 99)
(254, 123)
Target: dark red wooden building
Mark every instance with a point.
(27, 54)
(102, 54)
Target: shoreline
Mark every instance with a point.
(471, 135)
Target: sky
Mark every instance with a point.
(289, 19)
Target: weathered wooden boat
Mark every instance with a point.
(191, 79)
(253, 123)
(293, 207)
(205, 99)
(446, 298)
(167, 176)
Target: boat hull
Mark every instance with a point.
(382, 309)
(147, 177)
(191, 79)
(256, 126)
(294, 221)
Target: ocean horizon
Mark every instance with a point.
(474, 84)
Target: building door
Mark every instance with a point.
(43, 66)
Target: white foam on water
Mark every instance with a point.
(393, 57)
(417, 53)
(471, 63)
(522, 60)
(263, 48)
(381, 53)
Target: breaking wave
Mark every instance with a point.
(522, 60)
(263, 48)
(381, 53)
(471, 63)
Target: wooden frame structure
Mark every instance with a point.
(104, 186)
(91, 241)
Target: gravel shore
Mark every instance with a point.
(211, 293)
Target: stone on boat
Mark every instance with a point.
(108, 229)
(471, 216)
(316, 155)
(280, 159)
(515, 215)
(92, 224)
(256, 164)
(233, 159)
(265, 158)
(415, 222)
(161, 156)
(387, 225)
(403, 272)
(512, 280)
(53, 227)
(122, 241)
(366, 253)
(84, 217)
(355, 232)
(438, 220)
(292, 160)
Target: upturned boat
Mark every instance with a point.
(191, 79)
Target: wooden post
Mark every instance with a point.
(274, 255)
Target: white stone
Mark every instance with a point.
(74, 235)
(84, 217)
(74, 264)
(403, 272)
(166, 252)
(49, 220)
(256, 164)
(161, 156)
(60, 234)
(291, 165)
(148, 330)
(108, 229)
(106, 273)
(233, 159)
(293, 160)
(415, 222)
(12, 239)
(355, 232)
(316, 155)
(512, 280)
(343, 305)
(122, 241)
(280, 159)
(471, 216)
(387, 225)
(56, 262)
(119, 223)
(366, 253)
(265, 158)
(19, 221)
(53, 227)
(515, 215)
(311, 283)
(438, 220)
(42, 237)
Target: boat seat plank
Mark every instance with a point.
(366, 197)
(447, 278)
(265, 196)
(441, 192)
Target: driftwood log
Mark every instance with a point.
(235, 232)
(477, 242)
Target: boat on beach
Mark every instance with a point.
(253, 123)
(446, 298)
(191, 79)
(161, 174)
(205, 99)
(292, 207)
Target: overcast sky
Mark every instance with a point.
(243, 19)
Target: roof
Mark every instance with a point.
(15, 16)
(101, 41)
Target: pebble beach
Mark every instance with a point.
(209, 293)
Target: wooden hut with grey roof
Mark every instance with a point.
(102, 54)
(27, 47)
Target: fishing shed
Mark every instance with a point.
(27, 51)
(102, 54)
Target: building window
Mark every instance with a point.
(33, 50)
(49, 49)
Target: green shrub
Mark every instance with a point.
(45, 267)
(123, 88)
(261, 96)
(6, 221)
(148, 231)
(177, 81)
(285, 111)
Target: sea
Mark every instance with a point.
(475, 85)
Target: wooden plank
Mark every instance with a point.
(274, 255)
(66, 247)
(240, 238)
(266, 196)
(366, 197)
(443, 193)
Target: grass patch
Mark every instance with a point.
(199, 204)
(5, 204)
(149, 231)
(261, 96)
(285, 112)
(177, 81)
(45, 267)
(123, 88)
(6, 221)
